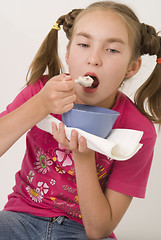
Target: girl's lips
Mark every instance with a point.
(89, 90)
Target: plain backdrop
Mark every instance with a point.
(23, 26)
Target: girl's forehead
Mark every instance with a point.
(101, 22)
(92, 13)
(99, 16)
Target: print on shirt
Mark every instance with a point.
(64, 156)
(38, 194)
(61, 160)
(52, 182)
(103, 165)
(64, 160)
(43, 161)
(67, 207)
(30, 176)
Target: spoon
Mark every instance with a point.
(86, 81)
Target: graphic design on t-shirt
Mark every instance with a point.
(43, 161)
(38, 194)
(64, 159)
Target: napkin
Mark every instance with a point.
(121, 144)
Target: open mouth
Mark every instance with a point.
(95, 81)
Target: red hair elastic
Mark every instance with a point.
(158, 60)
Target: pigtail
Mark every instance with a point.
(148, 96)
(47, 55)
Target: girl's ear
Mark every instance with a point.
(133, 68)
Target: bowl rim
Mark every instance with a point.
(111, 111)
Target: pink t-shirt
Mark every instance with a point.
(46, 184)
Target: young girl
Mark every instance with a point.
(65, 190)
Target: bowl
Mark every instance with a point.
(95, 120)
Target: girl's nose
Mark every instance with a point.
(94, 59)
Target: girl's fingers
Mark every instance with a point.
(62, 135)
(54, 128)
(62, 83)
(68, 107)
(68, 103)
(59, 134)
(75, 143)
(78, 144)
(55, 131)
(82, 145)
(74, 140)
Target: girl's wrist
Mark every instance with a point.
(41, 104)
(87, 157)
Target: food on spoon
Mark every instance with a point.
(85, 81)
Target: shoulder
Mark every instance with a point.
(33, 88)
(131, 118)
(25, 94)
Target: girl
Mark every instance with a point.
(65, 190)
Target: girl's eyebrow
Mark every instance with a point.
(83, 34)
(109, 40)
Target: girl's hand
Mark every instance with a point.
(78, 146)
(58, 94)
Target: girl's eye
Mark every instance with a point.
(83, 45)
(112, 50)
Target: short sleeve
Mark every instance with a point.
(130, 177)
(28, 92)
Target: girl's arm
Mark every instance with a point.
(17, 122)
(57, 96)
(101, 212)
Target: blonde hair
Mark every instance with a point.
(143, 38)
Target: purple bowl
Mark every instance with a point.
(95, 120)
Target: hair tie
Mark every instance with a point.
(158, 60)
(56, 26)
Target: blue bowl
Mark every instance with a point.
(95, 120)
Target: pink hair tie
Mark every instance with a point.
(158, 60)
